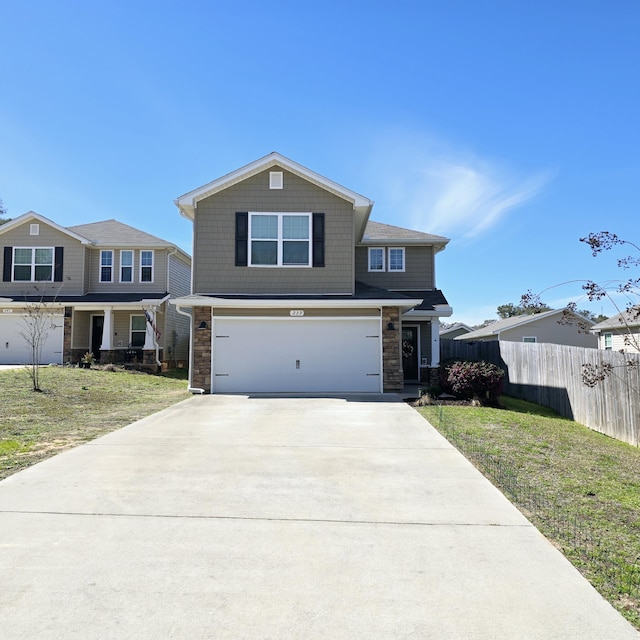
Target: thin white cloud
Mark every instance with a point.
(440, 190)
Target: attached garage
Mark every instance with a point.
(14, 349)
(297, 354)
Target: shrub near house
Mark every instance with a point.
(480, 381)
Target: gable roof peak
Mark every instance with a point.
(187, 202)
(33, 215)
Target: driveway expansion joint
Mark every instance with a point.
(267, 519)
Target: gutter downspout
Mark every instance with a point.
(188, 315)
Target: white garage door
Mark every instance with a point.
(14, 349)
(296, 355)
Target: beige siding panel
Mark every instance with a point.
(73, 269)
(418, 273)
(179, 277)
(159, 284)
(621, 340)
(175, 338)
(80, 330)
(214, 234)
(549, 330)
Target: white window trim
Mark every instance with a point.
(120, 266)
(153, 266)
(34, 229)
(111, 266)
(384, 263)
(529, 339)
(280, 240)
(604, 341)
(33, 264)
(404, 256)
(131, 317)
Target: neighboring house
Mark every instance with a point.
(455, 330)
(296, 290)
(559, 326)
(106, 286)
(619, 333)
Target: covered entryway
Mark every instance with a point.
(14, 349)
(281, 355)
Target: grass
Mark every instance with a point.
(580, 488)
(75, 406)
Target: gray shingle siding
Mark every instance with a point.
(418, 273)
(214, 233)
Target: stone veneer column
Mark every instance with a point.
(201, 373)
(67, 355)
(393, 376)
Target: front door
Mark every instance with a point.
(97, 323)
(410, 353)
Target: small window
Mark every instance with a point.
(280, 239)
(106, 266)
(276, 180)
(529, 339)
(146, 266)
(33, 264)
(138, 331)
(376, 259)
(34, 229)
(126, 266)
(396, 259)
(608, 341)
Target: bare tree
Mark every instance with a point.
(39, 320)
(627, 290)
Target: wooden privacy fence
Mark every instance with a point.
(551, 375)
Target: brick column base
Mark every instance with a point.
(201, 372)
(393, 375)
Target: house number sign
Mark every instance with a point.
(7, 311)
(296, 313)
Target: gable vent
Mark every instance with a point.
(276, 180)
(34, 229)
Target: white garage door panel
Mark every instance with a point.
(296, 355)
(15, 350)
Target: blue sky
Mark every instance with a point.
(509, 127)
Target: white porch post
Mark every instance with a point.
(149, 337)
(107, 331)
(435, 342)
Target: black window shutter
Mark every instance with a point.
(58, 263)
(242, 237)
(318, 239)
(8, 263)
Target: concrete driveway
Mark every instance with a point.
(235, 517)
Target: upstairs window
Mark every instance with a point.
(106, 266)
(146, 266)
(386, 259)
(376, 259)
(126, 266)
(396, 259)
(33, 264)
(279, 239)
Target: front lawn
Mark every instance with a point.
(75, 406)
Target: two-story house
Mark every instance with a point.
(296, 290)
(104, 285)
